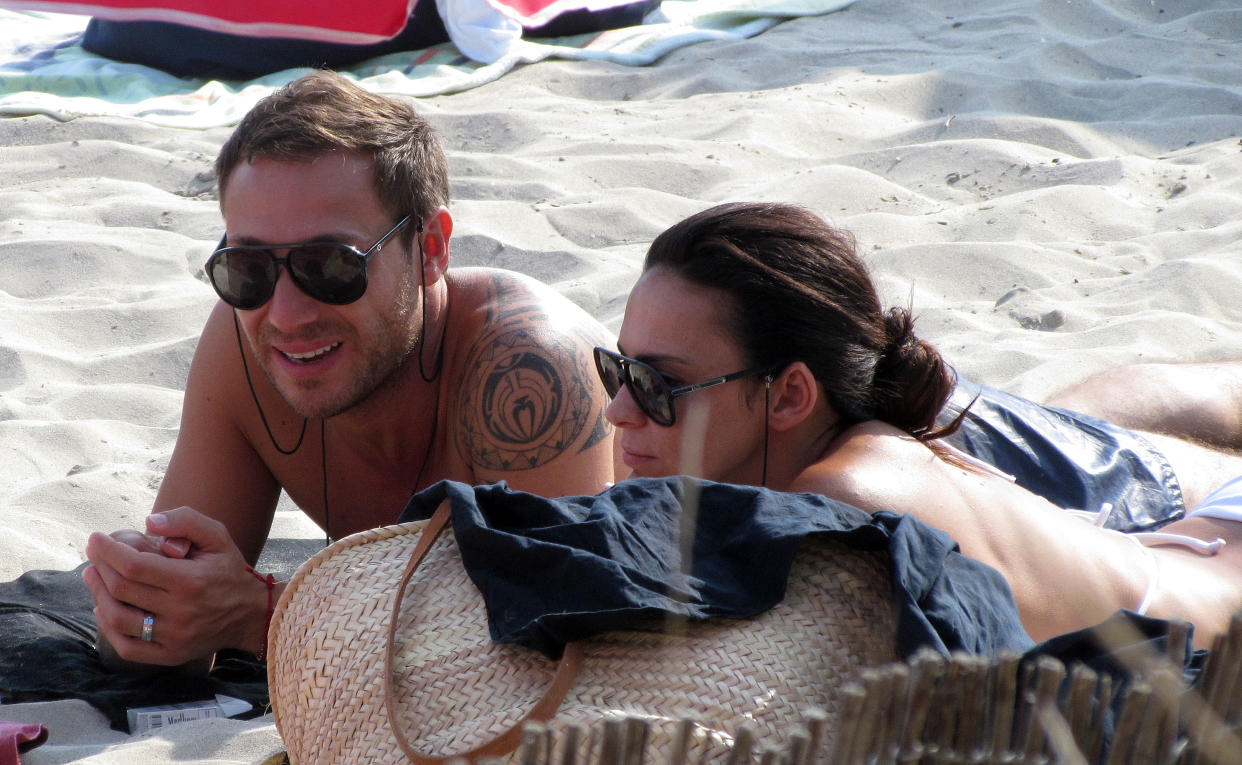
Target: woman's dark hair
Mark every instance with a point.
(799, 292)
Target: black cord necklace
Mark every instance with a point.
(255, 396)
(323, 454)
(301, 436)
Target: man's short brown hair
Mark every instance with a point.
(324, 112)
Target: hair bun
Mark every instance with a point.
(912, 380)
(899, 333)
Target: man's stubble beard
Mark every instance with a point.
(393, 343)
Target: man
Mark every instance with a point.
(381, 373)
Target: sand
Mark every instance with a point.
(1056, 186)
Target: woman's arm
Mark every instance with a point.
(1065, 573)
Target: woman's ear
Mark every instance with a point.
(437, 230)
(792, 395)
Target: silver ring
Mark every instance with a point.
(148, 627)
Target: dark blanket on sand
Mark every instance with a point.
(47, 648)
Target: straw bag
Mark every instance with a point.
(351, 683)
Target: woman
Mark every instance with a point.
(755, 350)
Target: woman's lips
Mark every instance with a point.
(634, 460)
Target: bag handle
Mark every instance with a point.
(562, 681)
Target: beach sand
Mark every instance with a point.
(1054, 185)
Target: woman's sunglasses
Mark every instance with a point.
(330, 272)
(648, 387)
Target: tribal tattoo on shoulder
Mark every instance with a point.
(528, 392)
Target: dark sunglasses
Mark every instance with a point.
(330, 272)
(650, 390)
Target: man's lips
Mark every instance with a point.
(307, 357)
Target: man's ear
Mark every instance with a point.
(437, 230)
(792, 396)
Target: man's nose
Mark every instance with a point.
(289, 307)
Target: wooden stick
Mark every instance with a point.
(1178, 641)
(1049, 679)
(1104, 703)
(874, 681)
(796, 747)
(890, 710)
(573, 736)
(941, 726)
(817, 726)
(613, 740)
(532, 743)
(743, 742)
(852, 698)
(595, 741)
(1168, 689)
(1231, 683)
(1143, 745)
(1210, 736)
(1079, 710)
(549, 748)
(926, 667)
(1005, 701)
(1216, 673)
(705, 754)
(1133, 708)
(634, 740)
(1026, 728)
(1059, 734)
(973, 719)
(683, 739)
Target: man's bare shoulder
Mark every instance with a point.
(527, 391)
(492, 296)
(217, 364)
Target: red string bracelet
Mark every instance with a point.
(270, 581)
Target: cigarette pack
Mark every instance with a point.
(143, 719)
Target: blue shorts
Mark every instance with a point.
(1071, 459)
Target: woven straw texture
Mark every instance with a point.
(457, 689)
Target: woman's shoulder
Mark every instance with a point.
(874, 441)
(868, 464)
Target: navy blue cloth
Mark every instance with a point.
(556, 570)
(1073, 460)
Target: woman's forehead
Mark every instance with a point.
(668, 316)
